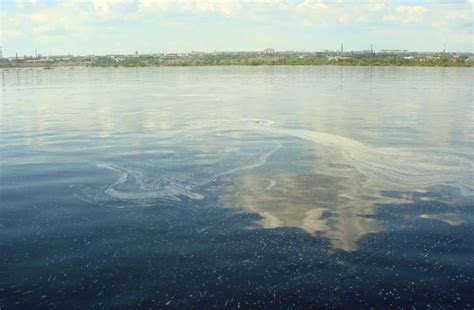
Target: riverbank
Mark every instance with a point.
(223, 61)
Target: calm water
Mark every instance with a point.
(235, 187)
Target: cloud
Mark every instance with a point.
(312, 5)
(21, 4)
(407, 14)
(336, 14)
(223, 7)
(411, 10)
(156, 25)
(105, 6)
(149, 4)
(376, 6)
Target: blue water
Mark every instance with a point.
(250, 187)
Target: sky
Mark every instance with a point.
(84, 27)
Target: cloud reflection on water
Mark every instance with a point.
(318, 204)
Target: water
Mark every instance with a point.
(261, 187)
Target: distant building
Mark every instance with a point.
(337, 58)
(268, 51)
(1, 53)
(393, 52)
(61, 57)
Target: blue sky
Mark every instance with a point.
(153, 26)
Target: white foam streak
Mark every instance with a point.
(383, 169)
(172, 187)
(394, 169)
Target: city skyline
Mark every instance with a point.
(100, 27)
(38, 55)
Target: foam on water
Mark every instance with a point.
(395, 169)
(140, 183)
(386, 168)
(336, 196)
(339, 193)
(171, 187)
(141, 189)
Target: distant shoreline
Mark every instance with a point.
(71, 66)
(249, 59)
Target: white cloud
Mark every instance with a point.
(411, 10)
(84, 23)
(223, 7)
(406, 14)
(312, 5)
(334, 13)
(149, 4)
(411, 14)
(105, 5)
(25, 3)
(376, 6)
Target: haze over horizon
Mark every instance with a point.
(83, 27)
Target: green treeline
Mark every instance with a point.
(287, 61)
(243, 60)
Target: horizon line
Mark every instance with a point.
(36, 52)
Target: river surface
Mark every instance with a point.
(250, 187)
